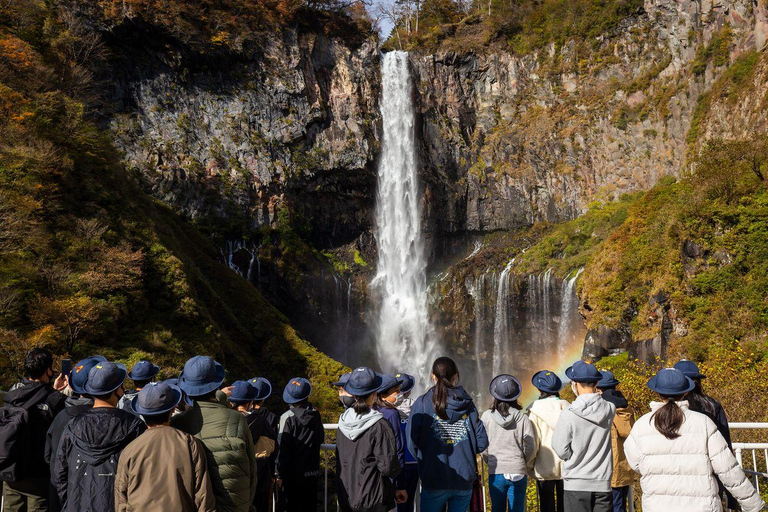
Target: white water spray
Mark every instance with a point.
(405, 339)
(501, 327)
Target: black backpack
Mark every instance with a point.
(15, 438)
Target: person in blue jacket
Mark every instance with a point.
(408, 479)
(385, 404)
(446, 435)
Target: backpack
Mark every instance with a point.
(15, 437)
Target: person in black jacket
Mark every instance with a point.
(39, 391)
(300, 437)
(74, 405)
(89, 449)
(365, 450)
(699, 401)
(263, 422)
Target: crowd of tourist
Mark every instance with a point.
(82, 442)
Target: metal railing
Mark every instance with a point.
(738, 448)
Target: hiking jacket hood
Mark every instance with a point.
(368, 461)
(353, 425)
(41, 417)
(229, 450)
(446, 449)
(582, 439)
(164, 469)
(511, 442)
(679, 474)
(544, 414)
(87, 457)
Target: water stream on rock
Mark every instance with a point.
(405, 340)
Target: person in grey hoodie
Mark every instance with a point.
(582, 439)
(511, 446)
(366, 450)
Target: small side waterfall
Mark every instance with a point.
(534, 321)
(404, 338)
(243, 266)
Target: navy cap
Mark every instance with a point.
(547, 381)
(156, 398)
(388, 382)
(342, 380)
(608, 381)
(104, 378)
(582, 371)
(363, 382)
(408, 382)
(201, 375)
(143, 370)
(505, 388)
(670, 382)
(242, 392)
(297, 390)
(689, 369)
(175, 382)
(79, 374)
(263, 388)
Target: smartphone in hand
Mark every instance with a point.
(66, 367)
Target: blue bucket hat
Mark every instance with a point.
(582, 371)
(342, 380)
(297, 390)
(408, 382)
(242, 392)
(505, 388)
(263, 388)
(143, 370)
(547, 381)
(388, 382)
(175, 382)
(156, 398)
(104, 378)
(670, 382)
(79, 374)
(201, 375)
(363, 382)
(689, 369)
(608, 381)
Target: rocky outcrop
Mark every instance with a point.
(292, 124)
(510, 140)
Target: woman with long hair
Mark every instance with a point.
(445, 435)
(365, 449)
(511, 446)
(679, 453)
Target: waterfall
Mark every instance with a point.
(568, 309)
(501, 327)
(405, 338)
(479, 310)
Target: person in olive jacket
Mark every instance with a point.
(366, 450)
(224, 433)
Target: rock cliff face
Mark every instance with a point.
(281, 140)
(510, 140)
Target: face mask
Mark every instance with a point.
(573, 388)
(399, 399)
(347, 401)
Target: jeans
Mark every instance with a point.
(548, 491)
(435, 500)
(620, 495)
(586, 501)
(409, 478)
(503, 491)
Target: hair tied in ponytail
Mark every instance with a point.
(669, 418)
(445, 371)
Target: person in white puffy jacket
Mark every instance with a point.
(678, 452)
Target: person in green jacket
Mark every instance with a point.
(224, 433)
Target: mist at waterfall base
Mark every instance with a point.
(521, 325)
(405, 339)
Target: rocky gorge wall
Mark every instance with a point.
(273, 150)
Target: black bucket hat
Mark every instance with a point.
(671, 382)
(582, 371)
(505, 388)
(363, 382)
(547, 381)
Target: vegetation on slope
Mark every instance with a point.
(88, 263)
